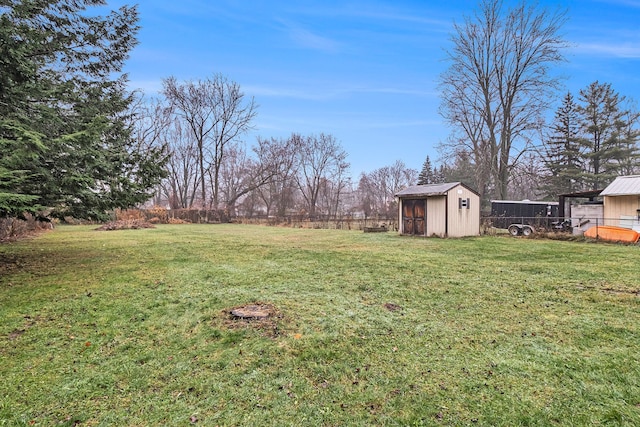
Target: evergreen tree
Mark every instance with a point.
(630, 135)
(461, 170)
(563, 160)
(439, 174)
(604, 144)
(426, 175)
(65, 126)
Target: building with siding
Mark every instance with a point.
(443, 210)
(622, 202)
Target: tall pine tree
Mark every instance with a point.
(426, 175)
(603, 143)
(563, 160)
(64, 122)
(629, 137)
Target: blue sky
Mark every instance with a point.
(363, 71)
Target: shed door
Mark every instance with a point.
(414, 216)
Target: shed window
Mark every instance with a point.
(464, 203)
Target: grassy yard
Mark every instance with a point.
(133, 328)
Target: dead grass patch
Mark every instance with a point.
(133, 224)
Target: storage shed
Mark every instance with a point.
(622, 202)
(444, 210)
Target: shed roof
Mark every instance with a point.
(430, 189)
(586, 194)
(526, 202)
(623, 186)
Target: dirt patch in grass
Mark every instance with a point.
(260, 316)
(17, 333)
(125, 225)
(610, 290)
(10, 262)
(392, 307)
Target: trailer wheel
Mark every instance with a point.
(514, 230)
(527, 231)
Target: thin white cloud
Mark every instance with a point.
(618, 50)
(189, 8)
(283, 93)
(363, 123)
(377, 124)
(308, 39)
(154, 86)
(629, 3)
(305, 38)
(149, 87)
(380, 13)
(394, 91)
(323, 94)
(443, 25)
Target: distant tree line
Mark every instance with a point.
(590, 141)
(210, 166)
(75, 142)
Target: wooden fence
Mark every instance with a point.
(201, 216)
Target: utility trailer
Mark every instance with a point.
(525, 216)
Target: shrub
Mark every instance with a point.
(15, 228)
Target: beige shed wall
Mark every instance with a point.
(463, 222)
(437, 216)
(445, 219)
(616, 207)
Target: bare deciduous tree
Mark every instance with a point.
(269, 171)
(378, 188)
(181, 185)
(527, 178)
(279, 160)
(321, 159)
(148, 120)
(332, 192)
(217, 113)
(237, 175)
(498, 85)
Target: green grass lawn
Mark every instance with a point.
(133, 328)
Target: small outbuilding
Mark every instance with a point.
(622, 202)
(445, 210)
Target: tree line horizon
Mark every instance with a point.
(75, 142)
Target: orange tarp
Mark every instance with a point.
(615, 234)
